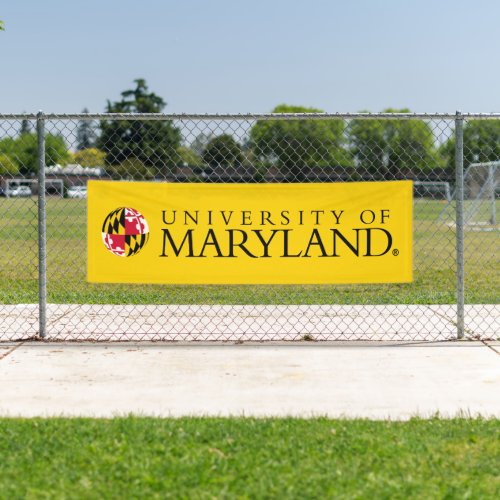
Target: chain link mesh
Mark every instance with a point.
(247, 149)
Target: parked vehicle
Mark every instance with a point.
(77, 192)
(18, 191)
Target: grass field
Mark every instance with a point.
(249, 458)
(434, 265)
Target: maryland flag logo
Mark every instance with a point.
(125, 231)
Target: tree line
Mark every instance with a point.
(294, 148)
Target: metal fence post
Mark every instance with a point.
(42, 228)
(459, 200)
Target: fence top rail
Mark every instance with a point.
(248, 116)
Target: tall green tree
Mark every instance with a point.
(223, 151)
(153, 143)
(189, 157)
(481, 143)
(369, 144)
(23, 150)
(388, 148)
(295, 146)
(7, 165)
(86, 134)
(90, 157)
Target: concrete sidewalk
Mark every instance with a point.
(394, 381)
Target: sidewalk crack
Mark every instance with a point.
(10, 351)
(493, 348)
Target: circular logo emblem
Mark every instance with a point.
(125, 231)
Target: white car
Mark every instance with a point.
(77, 192)
(19, 191)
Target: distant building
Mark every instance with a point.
(75, 174)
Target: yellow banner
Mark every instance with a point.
(146, 232)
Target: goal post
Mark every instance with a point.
(482, 183)
(481, 193)
(436, 190)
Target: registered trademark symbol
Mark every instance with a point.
(395, 252)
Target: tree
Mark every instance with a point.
(132, 169)
(387, 148)
(91, 157)
(7, 165)
(223, 151)
(86, 134)
(481, 143)
(23, 150)
(296, 146)
(153, 143)
(189, 157)
(369, 144)
(2, 26)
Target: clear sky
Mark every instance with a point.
(248, 56)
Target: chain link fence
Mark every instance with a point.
(46, 161)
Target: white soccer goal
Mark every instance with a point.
(481, 196)
(54, 187)
(481, 187)
(436, 190)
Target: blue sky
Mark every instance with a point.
(248, 56)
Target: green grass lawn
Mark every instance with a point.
(434, 266)
(249, 458)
